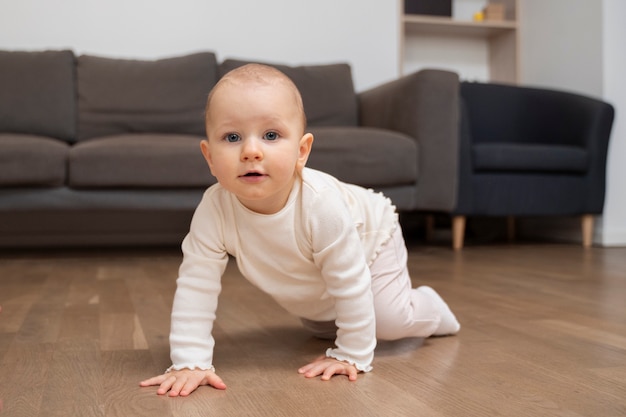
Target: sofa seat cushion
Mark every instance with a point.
(365, 156)
(529, 158)
(139, 160)
(117, 96)
(327, 91)
(27, 160)
(37, 93)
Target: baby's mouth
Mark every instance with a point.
(253, 175)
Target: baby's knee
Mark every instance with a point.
(400, 326)
(390, 327)
(386, 333)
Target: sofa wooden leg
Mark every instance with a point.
(430, 228)
(458, 232)
(587, 229)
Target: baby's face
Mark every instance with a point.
(256, 142)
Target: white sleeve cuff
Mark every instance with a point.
(189, 366)
(332, 353)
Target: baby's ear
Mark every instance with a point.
(306, 142)
(206, 152)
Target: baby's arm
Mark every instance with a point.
(184, 382)
(193, 311)
(339, 254)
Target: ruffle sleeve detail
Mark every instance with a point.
(332, 353)
(190, 366)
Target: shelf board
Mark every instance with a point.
(446, 25)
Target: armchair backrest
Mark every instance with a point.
(513, 114)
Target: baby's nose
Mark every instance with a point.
(251, 150)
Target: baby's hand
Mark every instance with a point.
(183, 382)
(327, 367)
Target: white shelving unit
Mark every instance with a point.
(452, 40)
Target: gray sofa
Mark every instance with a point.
(102, 151)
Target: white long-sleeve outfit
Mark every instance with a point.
(313, 257)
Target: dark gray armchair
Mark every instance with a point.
(527, 152)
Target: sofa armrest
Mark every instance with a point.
(425, 106)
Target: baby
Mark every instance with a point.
(328, 252)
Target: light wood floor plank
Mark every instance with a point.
(543, 334)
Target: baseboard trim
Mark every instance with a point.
(612, 238)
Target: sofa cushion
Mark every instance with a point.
(117, 96)
(327, 91)
(139, 160)
(365, 156)
(27, 160)
(529, 158)
(37, 93)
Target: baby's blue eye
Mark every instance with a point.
(232, 137)
(271, 136)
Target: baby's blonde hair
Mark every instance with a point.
(258, 74)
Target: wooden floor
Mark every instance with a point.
(543, 334)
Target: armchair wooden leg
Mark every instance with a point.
(458, 232)
(510, 228)
(587, 229)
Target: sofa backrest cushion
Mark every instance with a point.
(38, 94)
(117, 96)
(327, 91)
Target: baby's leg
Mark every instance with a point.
(402, 311)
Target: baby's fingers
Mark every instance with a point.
(327, 368)
(216, 382)
(184, 382)
(157, 380)
(181, 385)
(340, 369)
(165, 383)
(305, 369)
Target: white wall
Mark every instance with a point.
(561, 44)
(577, 45)
(363, 33)
(613, 224)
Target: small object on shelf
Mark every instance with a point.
(428, 7)
(478, 16)
(493, 11)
